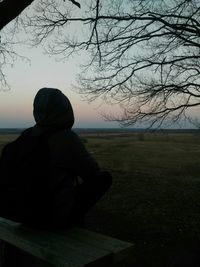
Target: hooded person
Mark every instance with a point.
(66, 199)
(52, 109)
(74, 180)
(71, 161)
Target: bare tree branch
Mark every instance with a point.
(144, 55)
(10, 9)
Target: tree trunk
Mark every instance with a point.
(10, 9)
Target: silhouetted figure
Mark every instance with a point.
(60, 195)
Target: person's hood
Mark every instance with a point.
(51, 108)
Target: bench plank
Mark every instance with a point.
(119, 249)
(72, 248)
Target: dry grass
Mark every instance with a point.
(154, 200)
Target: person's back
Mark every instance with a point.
(25, 168)
(70, 161)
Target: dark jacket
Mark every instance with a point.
(69, 159)
(53, 114)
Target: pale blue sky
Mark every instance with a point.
(26, 78)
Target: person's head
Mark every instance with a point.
(51, 108)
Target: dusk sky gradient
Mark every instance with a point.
(26, 78)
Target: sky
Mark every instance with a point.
(25, 78)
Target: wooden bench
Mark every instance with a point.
(72, 248)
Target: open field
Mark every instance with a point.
(155, 198)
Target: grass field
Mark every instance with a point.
(155, 198)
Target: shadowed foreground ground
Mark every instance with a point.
(155, 198)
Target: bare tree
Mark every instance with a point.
(11, 9)
(144, 54)
(9, 12)
(7, 52)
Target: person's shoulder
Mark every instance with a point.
(25, 135)
(27, 131)
(64, 135)
(71, 136)
(65, 140)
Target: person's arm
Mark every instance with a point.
(85, 165)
